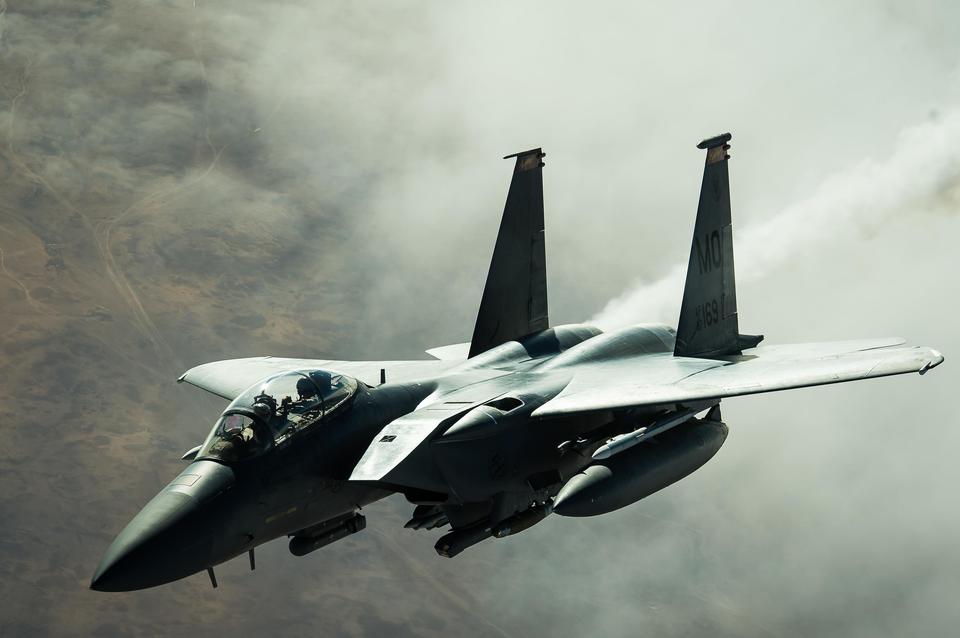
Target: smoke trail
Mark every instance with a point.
(923, 165)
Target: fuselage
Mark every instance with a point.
(526, 421)
(490, 458)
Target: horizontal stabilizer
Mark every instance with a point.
(453, 352)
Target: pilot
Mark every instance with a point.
(324, 381)
(262, 409)
(241, 435)
(306, 389)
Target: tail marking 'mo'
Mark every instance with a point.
(708, 325)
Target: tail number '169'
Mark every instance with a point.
(710, 312)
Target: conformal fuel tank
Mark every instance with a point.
(640, 471)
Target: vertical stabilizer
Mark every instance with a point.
(708, 315)
(514, 302)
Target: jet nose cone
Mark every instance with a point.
(171, 537)
(139, 557)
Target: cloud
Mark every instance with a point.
(921, 173)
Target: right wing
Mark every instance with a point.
(665, 380)
(228, 379)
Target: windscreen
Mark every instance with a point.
(270, 412)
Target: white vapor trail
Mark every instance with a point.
(923, 164)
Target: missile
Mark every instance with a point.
(427, 521)
(628, 440)
(458, 540)
(523, 520)
(327, 533)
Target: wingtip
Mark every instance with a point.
(936, 358)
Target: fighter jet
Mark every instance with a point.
(489, 437)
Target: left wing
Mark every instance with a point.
(228, 379)
(652, 379)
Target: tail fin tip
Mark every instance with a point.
(527, 160)
(714, 141)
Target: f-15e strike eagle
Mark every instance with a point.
(492, 436)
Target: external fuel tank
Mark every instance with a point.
(638, 472)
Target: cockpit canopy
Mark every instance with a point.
(272, 411)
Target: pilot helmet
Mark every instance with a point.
(306, 389)
(262, 410)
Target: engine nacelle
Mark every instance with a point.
(640, 471)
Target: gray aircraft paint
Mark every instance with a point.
(514, 302)
(488, 444)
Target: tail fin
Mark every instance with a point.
(708, 316)
(514, 300)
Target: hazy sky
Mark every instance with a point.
(374, 132)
